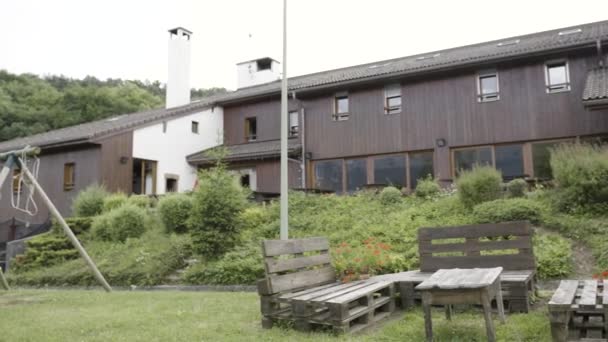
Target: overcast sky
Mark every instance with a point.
(128, 38)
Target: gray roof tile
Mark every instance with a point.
(596, 85)
(248, 151)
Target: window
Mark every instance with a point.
(356, 174)
(466, 159)
(164, 126)
(341, 107)
(293, 124)
(421, 166)
(68, 176)
(541, 159)
(264, 64)
(171, 183)
(390, 171)
(195, 127)
(392, 101)
(251, 129)
(487, 87)
(144, 177)
(16, 180)
(328, 175)
(509, 160)
(557, 77)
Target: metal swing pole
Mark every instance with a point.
(12, 159)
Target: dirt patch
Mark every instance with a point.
(10, 301)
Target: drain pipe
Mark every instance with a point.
(302, 135)
(600, 55)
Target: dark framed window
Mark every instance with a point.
(392, 99)
(390, 171)
(194, 127)
(328, 175)
(251, 129)
(171, 184)
(421, 166)
(487, 87)
(68, 176)
(509, 160)
(341, 107)
(264, 64)
(294, 126)
(356, 174)
(467, 158)
(557, 76)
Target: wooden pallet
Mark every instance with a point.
(578, 311)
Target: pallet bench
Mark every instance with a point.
(578, 311)
(475, 246)
(300, 286)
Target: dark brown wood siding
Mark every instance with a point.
(115, 175)
(446, 107)
(269, 175)
(87, 171)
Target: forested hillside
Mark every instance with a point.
(32, 104)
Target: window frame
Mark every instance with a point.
(561, 87)
(493, 156)
(69, 176)
(194, 127)
(388, 95)
(293, 132)
(247, 128)
(341, 116)
(489, 97)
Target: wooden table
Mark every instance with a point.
(578, 310)
(462, 286)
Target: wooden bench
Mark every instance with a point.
(578, 311)
(300, 286)
(476, 246)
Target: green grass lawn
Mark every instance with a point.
(51, 315)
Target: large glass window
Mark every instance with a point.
(328, 175)
(510, 160)
(356, 174)
(421, 166)
(466, 159)
(390, 171)
(541, 158)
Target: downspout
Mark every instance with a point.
(600, 55)
(303, 163)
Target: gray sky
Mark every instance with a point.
(128, 38)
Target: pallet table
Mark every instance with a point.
(462, 286)
(578, 311)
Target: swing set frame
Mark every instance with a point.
(13, 158)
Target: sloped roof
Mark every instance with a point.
(596, 86)
(248, 151)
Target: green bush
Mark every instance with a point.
(142, 201)
(242, 266)
(390, 195)
(581, 176)
(89, 202)
(510, 209)
(481, 184)
(114, 201)
(217, 203)
(127, 221)
(78, 225)
(517, 188)
(553, 256)
(427, 188)
(174, 211)
(42, 251)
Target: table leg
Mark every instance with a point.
(428, 322)
(499, 303)
(487, 313)
(448, 312)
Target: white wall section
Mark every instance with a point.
(178, 79)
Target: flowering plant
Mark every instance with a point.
(355, 261)
(601, 276)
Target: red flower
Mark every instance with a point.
(377, 252)
(596, 276)
(605, 274)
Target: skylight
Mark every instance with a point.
(508, 42)
(421, 58)
(572, 31)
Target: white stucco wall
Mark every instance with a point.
(170, 149)
(248, 75)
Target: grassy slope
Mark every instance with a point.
(29, 315)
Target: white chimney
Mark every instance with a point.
(257, 71)
(178, 80)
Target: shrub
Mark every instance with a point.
(174, 211)
(481, 184)
(369, 257)
(510, 209)
(242, 266)
(142, 201)
(44, 250)
(114, 201)
(127, 221)
(89, 202)
(390, 195)
(427, 187)
(78, 225)
(516, 188)
(581, 176)
(553, 256)
(217, 203)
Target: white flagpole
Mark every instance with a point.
(284, 124)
